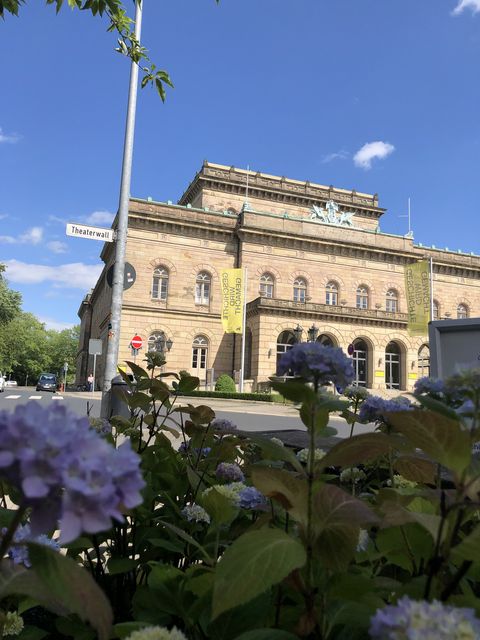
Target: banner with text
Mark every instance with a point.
(417, 287)
(232, 300)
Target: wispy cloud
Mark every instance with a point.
(56, 246)
(462, 5)
(9, 137)
(100, 217)
(371, 151)
(34, 235)
(74, 275)
(3, 216)
(54, 324)
(52, 218)
(336, 155)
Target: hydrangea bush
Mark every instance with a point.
(226, 535)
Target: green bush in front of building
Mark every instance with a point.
(225, 384)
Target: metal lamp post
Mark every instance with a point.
(312, 333)
(297, 332)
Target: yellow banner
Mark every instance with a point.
(417, 287)
(232, 300)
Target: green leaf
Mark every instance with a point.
(32, 633)
(252, 564)
(437, 406)
(416, 469)
(314, 416)
(469, 547)
(266, 634)
(188, 538)
(59, 584)
(439, 437)
(124, 629)
(357, 449)
(293, 390)
(121, 565)
(281, 486)
(138, 372)
(219, 508)
(188, 383)
(275, 451)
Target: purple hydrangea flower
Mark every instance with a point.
(429, 386)
(194, 512)
(222, 424)
(229, 471)
(424, 621)
(18, 551)
(65, 471)
(374, 408)
(314, 361)
(251, 498)
(198, 452)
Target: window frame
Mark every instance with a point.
(203, 288)
(160, 282)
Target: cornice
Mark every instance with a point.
(149, 311)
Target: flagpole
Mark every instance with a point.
(244, 330)
(431, 288)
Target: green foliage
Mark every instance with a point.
(225, 384)
(259, 397)
(10, 301)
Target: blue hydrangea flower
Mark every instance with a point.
(18, 551)
(229, 471)
(411, 620)
(252, 498)
(429, 386)
(198, 452)
(66, 473)
(196, 513)
(222, 424)
(374, 408)
(314, 361)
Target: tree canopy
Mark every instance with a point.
(10, 301)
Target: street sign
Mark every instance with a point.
(94, 347)
(78, 230)
(129, 276)
(136, 342)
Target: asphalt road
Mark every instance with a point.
(248, 416)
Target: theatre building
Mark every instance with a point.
(318, 266)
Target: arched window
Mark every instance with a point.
(325, 340)
(331, 293)
(462, 311)
(156, 342)
(391, 301)
(299, 290)
(200, 356)
(362, 297)
(160, 283)
(285, 342)
(266, 285)
(423, 361)
(436, 311)
(392, 366)
(202, 288)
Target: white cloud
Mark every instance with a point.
(3, 216)
(371, 150)
(8, 137)
(7, 240)
(336, 155)
(34, 235)
(100, 217)
(57, 219)
(74, 275)
(57, 247)
(50, 323)
(474, 5)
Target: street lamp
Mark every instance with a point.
(161, 343)
(312, 333)
(297, 332)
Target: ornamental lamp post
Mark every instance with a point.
(312, 333)
(297, 332)
(161, 343)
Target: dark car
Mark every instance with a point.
(47, 382)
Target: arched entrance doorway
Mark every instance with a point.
(360, 363)
(285, 342)
(326, 340)
(200, 357)
(393, 366)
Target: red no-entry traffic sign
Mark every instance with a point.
(136, 342)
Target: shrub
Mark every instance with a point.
(225, 384)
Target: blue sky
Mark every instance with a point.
(380, 96)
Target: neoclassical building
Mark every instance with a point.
(319, 268)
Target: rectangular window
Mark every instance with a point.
(202, 293)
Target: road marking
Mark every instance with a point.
(35, 397)
(57, 397)
(12, 397)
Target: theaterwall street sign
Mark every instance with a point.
(91, 233)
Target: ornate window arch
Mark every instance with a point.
(462, 311)
(160, 283)
(267, 285)
(391, 300)
(362, 298)
(202, 288)
(300, 290)
(331, 293)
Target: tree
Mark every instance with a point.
(23, 347)
(128, 44)
(10, 301)
(63, 347)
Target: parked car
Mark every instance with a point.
(47, 382)
(11, 383)
(2, 383)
